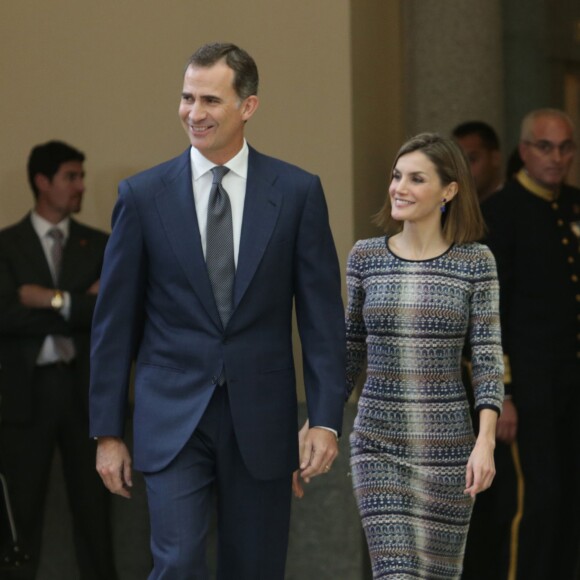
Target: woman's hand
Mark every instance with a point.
(481, 465)
(296, 483)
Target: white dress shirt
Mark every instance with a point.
(234, 182)
(49, 353)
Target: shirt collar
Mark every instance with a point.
(533, 187)
(42, 226)
(237, 164)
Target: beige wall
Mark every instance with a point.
(378, 105)
(106, 76)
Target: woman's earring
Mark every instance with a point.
(443, 207)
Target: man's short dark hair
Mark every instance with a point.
(485, 132)
(245, 69)
(47, 158)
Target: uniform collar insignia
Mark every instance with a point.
(533, 187)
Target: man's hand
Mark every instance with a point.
(94, 287)
(507, 423)
(318, 449)
(35, 296)
(114, 465)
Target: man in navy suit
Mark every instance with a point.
(215, 399)
(50, 266)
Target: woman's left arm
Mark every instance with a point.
(487, 367)
(481, 466)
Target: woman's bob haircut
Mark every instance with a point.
(462, 221)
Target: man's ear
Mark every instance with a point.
(41, 181)
(523, 151)
(249, 106)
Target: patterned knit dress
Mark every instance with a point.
(413, 435)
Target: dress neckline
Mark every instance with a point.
(416, 261)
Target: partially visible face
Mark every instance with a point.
(211, 112)
(63, 194)
(549, 169)
(416, 190)
(484, 163)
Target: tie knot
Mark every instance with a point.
(218, 173)
(55, 234)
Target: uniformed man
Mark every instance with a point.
(533, 232)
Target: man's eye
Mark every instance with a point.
(567, 147)
(545, 146)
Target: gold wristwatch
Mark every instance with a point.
(57, 300)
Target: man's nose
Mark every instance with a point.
(556, 154)
(197, 111)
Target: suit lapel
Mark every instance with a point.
(261, 209)
(176, 208)
(31, 246)
(73, 255)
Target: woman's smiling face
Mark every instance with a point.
(416, 190)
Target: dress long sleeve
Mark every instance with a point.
(356, 332)
(485, 334)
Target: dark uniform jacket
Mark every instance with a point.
(536, 245)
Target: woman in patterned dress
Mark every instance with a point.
(415, 297)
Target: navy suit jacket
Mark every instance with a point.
(156, 307)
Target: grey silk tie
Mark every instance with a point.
(64, 346)
(56, 252)
(219, 252)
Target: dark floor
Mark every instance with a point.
(325, 535)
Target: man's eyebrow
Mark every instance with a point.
(209, 96)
